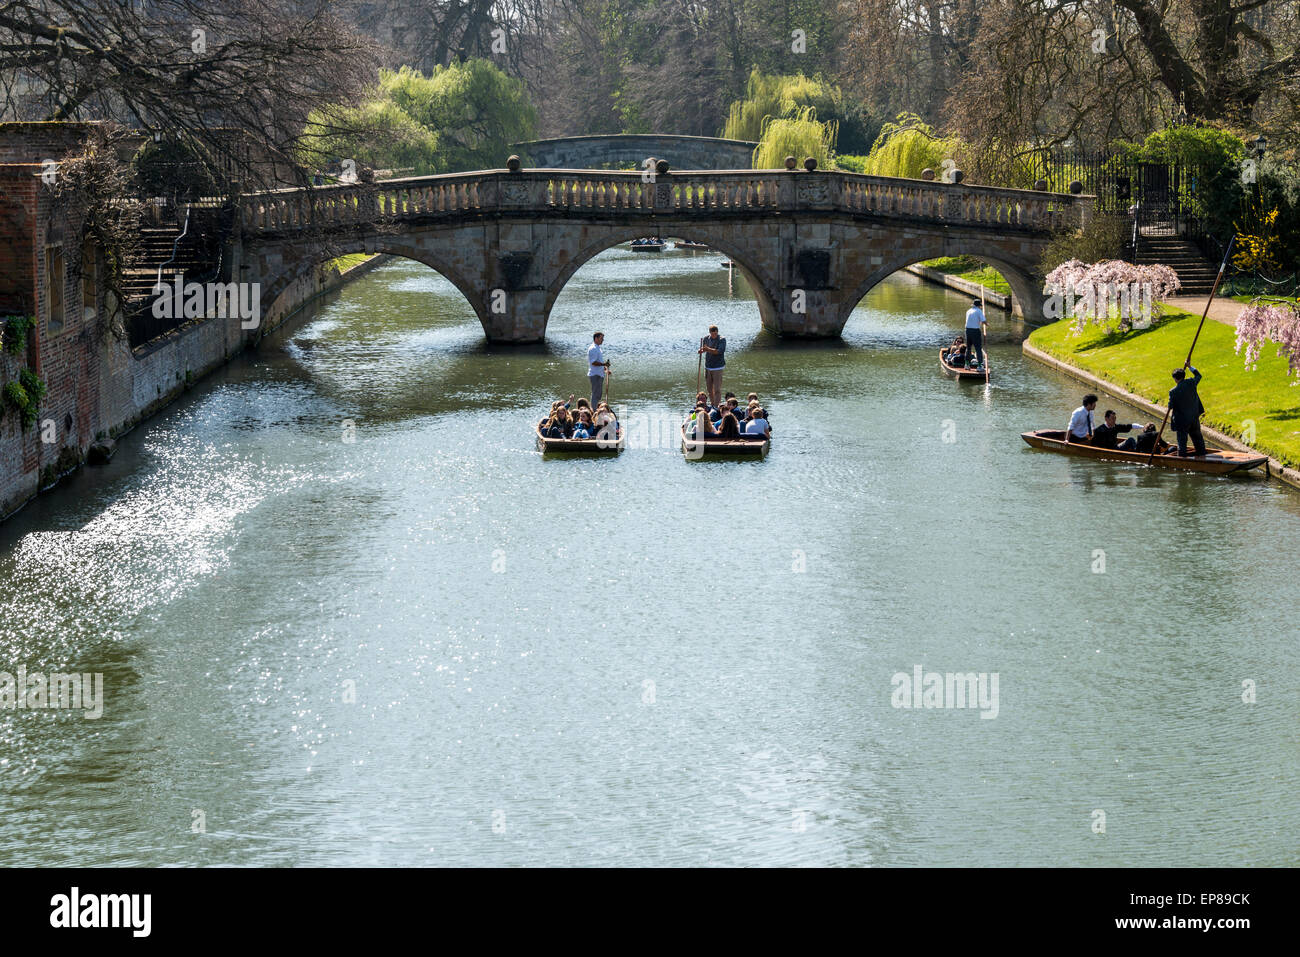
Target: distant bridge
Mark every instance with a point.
(811, 244)
(682, 152)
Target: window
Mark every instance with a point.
(54, 292)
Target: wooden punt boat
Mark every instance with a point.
(589, 446)
(651, 247)
(687, 244)
(961, 372)
(1216, 462)
(748, 445)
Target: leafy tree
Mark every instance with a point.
(788, 95)
(801, 135)
(462, 117)
(235, 79)
(908, 146)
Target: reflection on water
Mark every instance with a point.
(430, 645)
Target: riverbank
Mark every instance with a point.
(971, 279)
(134, 385)
(1250, 410)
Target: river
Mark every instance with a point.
(346, 613)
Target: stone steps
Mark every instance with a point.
(1195, 272)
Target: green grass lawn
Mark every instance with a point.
(965, 267)
(1141, 362)
(347, 262)
(1250, 299)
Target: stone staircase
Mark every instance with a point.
(159, 250)
(1194, 270)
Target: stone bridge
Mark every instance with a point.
(591, 152)
(811, 244)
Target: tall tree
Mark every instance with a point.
(234, 79)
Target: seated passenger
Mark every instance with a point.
(700, 426)
(1106, 435)
(729, 427)
(1145, 441)
(560, 425)
(605, 422)
(957, 352)
(751, 403)
(583, 428)
(757, 424)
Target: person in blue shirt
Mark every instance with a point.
(583, 429)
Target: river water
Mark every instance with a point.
(346, 614)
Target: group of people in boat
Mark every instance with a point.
(957, 354)
(583, 422)
(967, 351)
(727, 420)
(1082, 431)
(1185, 409)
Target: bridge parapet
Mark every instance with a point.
(691, 192)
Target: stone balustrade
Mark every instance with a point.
(703, 193)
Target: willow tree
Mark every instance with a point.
(801, 136)
(461, 117)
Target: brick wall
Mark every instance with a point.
(96, 385)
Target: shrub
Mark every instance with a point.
(15, 330)
(851, 163)
(1104, 238)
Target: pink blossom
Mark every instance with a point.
(1093, 293)
(1260, 323)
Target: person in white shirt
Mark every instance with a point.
(757, 424)
(1079, 430)
(597, 368)
(976, 329)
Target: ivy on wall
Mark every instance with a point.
(23, 395)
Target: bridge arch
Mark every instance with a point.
(292, 286)
(763, 285)
(1022, 276)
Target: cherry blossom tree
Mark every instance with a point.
(1276, 322)
(1103, 291)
